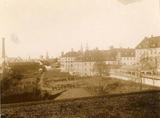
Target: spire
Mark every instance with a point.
(29, 58)
(47, 56)
(81, 47)
(87, 47)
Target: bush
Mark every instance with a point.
(24, 68)
(17, 72)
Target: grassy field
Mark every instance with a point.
(96, 87)
(115, 86)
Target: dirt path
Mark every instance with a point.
(74, 93)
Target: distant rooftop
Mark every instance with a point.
(151, 42)
(72, 54)
(126, 52)
(104, 55)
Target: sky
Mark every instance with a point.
(34, 27)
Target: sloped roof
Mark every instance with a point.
(91, 55)
(110, 55)
(72, 54)
(103, 55)
(128, 53)
(124, 52)
(152, 42)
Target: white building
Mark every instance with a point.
(127, 57)
(82, 63)
(149, 48)
(83, 68)
(77, 63)
(67, 61)
(124, 56)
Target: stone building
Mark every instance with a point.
(149, 50)
(82, 63)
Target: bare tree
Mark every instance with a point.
(148, 64)
(100, 68)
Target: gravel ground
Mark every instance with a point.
(74, 93)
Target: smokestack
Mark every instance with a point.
(3, 48)
(3, 57)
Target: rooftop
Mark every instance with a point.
(151, 42)
(104, 55)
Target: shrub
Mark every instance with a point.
(17, 72)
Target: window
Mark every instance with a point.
(155, 52)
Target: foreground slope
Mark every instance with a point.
(129, 105)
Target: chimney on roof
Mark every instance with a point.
(72, 50)
(96, 48)
(111, 47)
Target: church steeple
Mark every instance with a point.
(86, 47)
(81, 48)
(47, 56)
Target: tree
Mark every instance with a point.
(100, 68)
(148, 64)
(16, 72)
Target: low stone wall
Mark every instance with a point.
(147, 81)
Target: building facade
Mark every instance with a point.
(149, 49)
(82, 62)
(77, 63)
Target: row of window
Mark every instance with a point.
(128, 58)
(129, 63)
(67, 59)
(151, 52)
